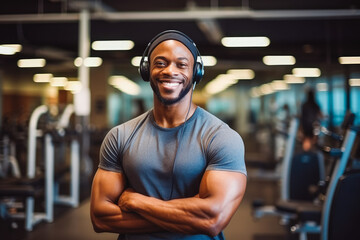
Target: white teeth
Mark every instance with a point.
(170, 84)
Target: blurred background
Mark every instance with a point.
(260, 59)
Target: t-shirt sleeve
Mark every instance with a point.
(226, 151)
(109, 157)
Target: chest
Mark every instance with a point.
(154, 159)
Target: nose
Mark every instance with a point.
(171, 69)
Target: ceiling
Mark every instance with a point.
(316, 32)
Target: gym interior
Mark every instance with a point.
(69, 73)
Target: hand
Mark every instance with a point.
(126, 199)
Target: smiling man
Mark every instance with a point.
(176, 171)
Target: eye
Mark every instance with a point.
(182, 65)
(159, 63)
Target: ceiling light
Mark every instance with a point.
(6, 50)
(15, 47)
(241, 73)
(255, 92)
(291, 79)
(73, 86)
(306, 72)
(279, 60)
(354, 82)
(220, 83)
(349, 60)
(112, 45)
(89, 62)
(279, 85)
(42, 77)
(135, 61)
(31, 63)
(58, 81)
(245, 41)
(322, 87)
(266, 89)
(10, 49)
(125, 85)
(209, 61)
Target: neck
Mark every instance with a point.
(170, 116)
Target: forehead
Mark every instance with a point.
(172, 47)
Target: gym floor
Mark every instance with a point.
(75, 223)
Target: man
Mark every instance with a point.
(176, 171)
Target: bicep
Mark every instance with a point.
(106, 189)
(224, 190)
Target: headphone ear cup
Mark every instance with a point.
(199, 72)
(144, 71)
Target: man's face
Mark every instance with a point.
(171, 71)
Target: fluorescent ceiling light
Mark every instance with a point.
(73, 86)
(31, 63)
(220, 83)
(125, 85)
(10, 49)
(245, 41)
(306, 72)
(349, 60)
(266, 89)
(7, 50)
(322, 87)
(354, 82)
(241, 73)
(89, 62)
(255, 92)
(279, 60)
(42, 77)
(15, 47)
(209, 61)
(279, 85)
(135, 61)
(58, 81)
(112, 45)
(291, 79)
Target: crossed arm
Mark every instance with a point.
(116, 209)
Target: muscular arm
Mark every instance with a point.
(206, 213)
(106, 216)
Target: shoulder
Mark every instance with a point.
(212, 123)
(208, 118)
(129, 126)
(214, 129)
(119, 134)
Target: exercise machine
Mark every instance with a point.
(45, 184)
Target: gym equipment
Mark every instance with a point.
(32, 189)
(346, 194)
(307, 214)
(8, 161)
(308, 165)
(35, 185)
(333, 223)
(278, 173)
(73, 198)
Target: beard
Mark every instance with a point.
(170, 101)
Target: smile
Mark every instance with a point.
(171, 84)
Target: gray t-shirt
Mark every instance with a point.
(168, 163)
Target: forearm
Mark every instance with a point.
(207, 213)
(106, 215)
(189, 215)
(110, 218)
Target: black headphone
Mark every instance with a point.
(198, 71)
